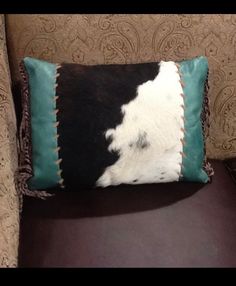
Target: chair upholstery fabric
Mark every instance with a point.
(160, 225)
(9, 201)
(124, 38)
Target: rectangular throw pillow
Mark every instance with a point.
(104, 125)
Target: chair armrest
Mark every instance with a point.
(9, 200)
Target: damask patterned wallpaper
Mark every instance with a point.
(120, 38)
(9, 201)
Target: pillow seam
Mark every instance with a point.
(61, 181)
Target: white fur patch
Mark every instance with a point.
(148, 139)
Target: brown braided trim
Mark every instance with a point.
(183, 119)
(61, 180)
(25, 170)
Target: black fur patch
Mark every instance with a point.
(89, 103)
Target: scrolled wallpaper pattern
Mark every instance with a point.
(120, 38)
(9, 202)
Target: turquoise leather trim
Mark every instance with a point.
(42, 105)
(193, 74)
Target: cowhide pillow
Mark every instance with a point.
(103, 125)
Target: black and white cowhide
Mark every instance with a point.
(120, 123)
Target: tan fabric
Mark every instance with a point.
(93, 39)
(9, 203)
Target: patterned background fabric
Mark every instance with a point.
(9, 203)
(120, 38)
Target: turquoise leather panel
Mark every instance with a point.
(42, 105)
(193, 73)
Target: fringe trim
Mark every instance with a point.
(25, 171)
(206, 126)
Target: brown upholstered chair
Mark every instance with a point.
(162, 225)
